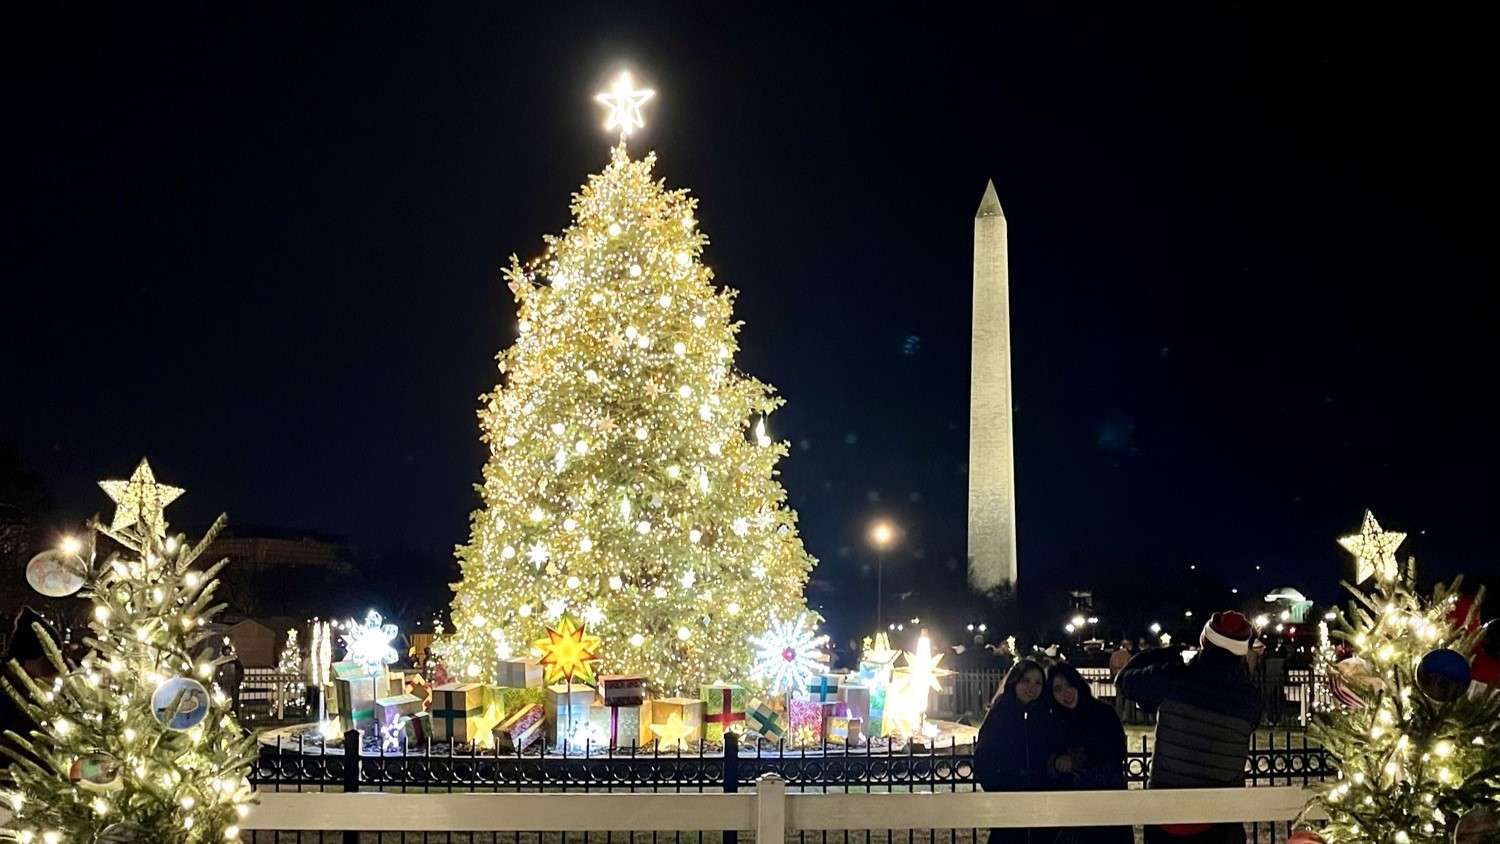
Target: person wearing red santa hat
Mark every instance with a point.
(1206, 712)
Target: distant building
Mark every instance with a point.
(277, 571)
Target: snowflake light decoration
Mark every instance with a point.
(370, 646)
(787, 657)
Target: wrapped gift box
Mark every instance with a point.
(354, 690)
(389, 710)
(520, 729)
(457, 711)
(390, 683)
(875, 672)
(518, 674)
(856, 700)
(875, 725)
(512, 699)
(567, 707)
(764, 721)
(824, 688)
(417, 728)
(724, 706)
(806, 721)
(845, 730)
(622, 689)
(690, 710)
(621, 726)
(417, 685)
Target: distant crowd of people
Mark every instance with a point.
(1045, 731)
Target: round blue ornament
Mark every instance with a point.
(192, 703)
(1443, 675)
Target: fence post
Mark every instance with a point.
(731, 777)
(351, 774)
(770, 809)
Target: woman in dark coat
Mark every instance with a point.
(1089, 748)
(1015, 745)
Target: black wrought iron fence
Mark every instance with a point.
(1285, 758)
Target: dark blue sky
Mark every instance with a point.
(262, 246)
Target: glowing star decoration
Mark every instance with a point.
(922, 667)
(1374, 550)
(566, 653)
(371, 646)
(788, 655)
(673, 734)
(140, 500)
(624, 104)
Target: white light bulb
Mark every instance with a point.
(665, 301)
(683, 259)
(101, 613)
(694, 535)
(683, 634)
(699, 322)
(673, 471)
(597, 298)
(733, 608)
(635, 270)
(507, 552)
(637, 640)
(524, 611)
(614, 229)
(640, 433)
(570, 524)
(537, 515)
(615, 582)
(558, 427)
(680, 348)
(573, 582)
(685, 391)
(630, 332)
(585, 545)
(643, 527)
(581, 447)
(659, 592)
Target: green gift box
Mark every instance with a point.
(512, 699)
(875, 726)
(724, 706)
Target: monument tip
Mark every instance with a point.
(989, 206)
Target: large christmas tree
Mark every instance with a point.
(630, 483)
(134, 743)
(1415, 741)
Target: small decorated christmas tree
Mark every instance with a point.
(133, 743)
(630, 482)
(290, 661)
(1416, 746)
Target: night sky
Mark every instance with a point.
(263, 247)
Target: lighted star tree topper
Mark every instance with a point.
(630, 481)
(789, 655)
(1374, 550)
(140, 500)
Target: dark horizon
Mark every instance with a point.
(263, 249)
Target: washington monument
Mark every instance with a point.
(992, 481)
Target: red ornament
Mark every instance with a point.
(1306, 836)
(789, 655)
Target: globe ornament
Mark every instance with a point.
(1443, 675)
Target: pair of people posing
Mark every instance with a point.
(1047, 732)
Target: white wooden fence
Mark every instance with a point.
(768, 810)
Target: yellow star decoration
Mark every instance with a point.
(567, 652)
(140, 500)
(922, 667)
(673, 734)
(624, 104)
(1374, 550)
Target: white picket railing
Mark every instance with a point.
(768, 810)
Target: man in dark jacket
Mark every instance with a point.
(1207, 711)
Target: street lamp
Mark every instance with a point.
(882, 534)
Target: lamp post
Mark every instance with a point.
(881, 534)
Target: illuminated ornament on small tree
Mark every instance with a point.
(567, 652)
(1374, 550)
(371, 646)
(787, 656)
(139, 501)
